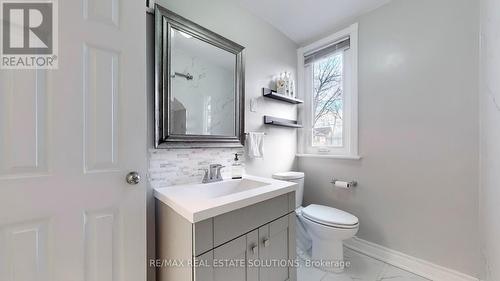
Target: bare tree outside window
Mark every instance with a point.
(328, 101)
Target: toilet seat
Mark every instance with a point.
(329, 216)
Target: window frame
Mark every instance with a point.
(349, 150)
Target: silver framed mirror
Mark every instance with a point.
(199, 85)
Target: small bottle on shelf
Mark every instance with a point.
(287, 83)
(280, 85)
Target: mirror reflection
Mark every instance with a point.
(203, 91)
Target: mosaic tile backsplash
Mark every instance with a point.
(180, 166)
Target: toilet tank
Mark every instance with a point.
(296, 177)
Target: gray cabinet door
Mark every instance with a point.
(230, 259)
(204, 270)
(274, 250)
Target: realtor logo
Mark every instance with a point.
(29, 34)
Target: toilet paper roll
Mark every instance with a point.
(342, 184)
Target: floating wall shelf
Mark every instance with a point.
(269, 120)
(268, 93)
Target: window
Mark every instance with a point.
(327, 81)
(327, 101)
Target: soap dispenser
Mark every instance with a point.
(236, 168)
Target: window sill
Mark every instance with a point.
(326, 156)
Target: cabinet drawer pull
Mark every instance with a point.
(254, 250)
(266, 242)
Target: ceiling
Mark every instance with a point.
(305, 20)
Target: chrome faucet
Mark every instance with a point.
(212, 174)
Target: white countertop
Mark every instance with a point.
(197, 202)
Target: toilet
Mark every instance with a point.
(325, 226)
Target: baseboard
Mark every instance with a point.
(414, 265)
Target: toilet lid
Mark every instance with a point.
(288, 176)
(329, 216)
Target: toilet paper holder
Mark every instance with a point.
(344, 184)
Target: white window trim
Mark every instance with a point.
(350, 149)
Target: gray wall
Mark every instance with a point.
(418, 131)
(490, 137)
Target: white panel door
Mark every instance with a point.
(68, 138)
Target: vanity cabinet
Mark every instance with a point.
(254, 243)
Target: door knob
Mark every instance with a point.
(133, 178)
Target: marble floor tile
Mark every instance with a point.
(361, 268)
(395, 274)
(309, 273)
(337, 277)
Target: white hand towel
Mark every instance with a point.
(255, 145)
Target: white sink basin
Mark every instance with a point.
(197, 202)
(216, 189)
